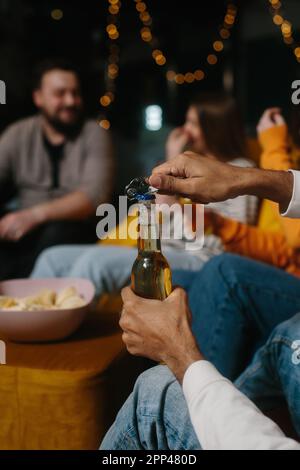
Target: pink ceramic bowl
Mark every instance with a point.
(45, 325)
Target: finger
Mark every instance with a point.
(128, 295)
(279, 119)
(270, 112)
(176, 294)
(171, 185)
(126, 322)
(175, 167)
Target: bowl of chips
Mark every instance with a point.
(41, 310)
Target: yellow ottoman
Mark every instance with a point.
(64, 395)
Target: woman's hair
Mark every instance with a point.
(221, 125)
(295, 125)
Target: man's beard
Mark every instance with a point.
(69, 129)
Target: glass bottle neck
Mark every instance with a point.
(149, 228)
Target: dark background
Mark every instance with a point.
(260, 66)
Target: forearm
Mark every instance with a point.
(265, 184)
(74, 206)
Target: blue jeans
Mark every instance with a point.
(155, 416)
(236, 303)
(108, 267)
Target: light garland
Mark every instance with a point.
(112, 70)
(285, 26)
(160, 57)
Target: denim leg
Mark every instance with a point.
(154, 417)
(109, 267)
(57, 261)
(275, 371)
(235, 304)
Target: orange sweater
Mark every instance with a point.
(278, 248)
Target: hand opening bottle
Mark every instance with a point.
(151, 274)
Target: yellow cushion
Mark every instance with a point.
(65, 395)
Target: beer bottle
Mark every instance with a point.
(151, 273)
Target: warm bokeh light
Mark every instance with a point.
(171, 75)
(105, 100)
(160, 59)
(145, 17)
(114, 35)
(104, 123)
(277, 19)
(141, 7)
(146, 34)
(179, 79)
(113, 71)
(218, 46)
(297, 52)
(212, 59)
(57, 14)
(199, 75)
(189, 77)
(156, 53)
(229, 19)
(224, 33)
(286, 28)
(111, 29)
(113, 9)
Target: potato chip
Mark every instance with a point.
(46, 299)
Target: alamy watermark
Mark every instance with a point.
(296, 353)
(2, 353)
(296, 93)
(2, 92)
(177, 222)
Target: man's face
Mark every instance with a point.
(59, 98)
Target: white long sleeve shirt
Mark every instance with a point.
(223, 417)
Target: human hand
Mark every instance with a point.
(17, 224)
(160, 330)
(197, 177)
(271, 117)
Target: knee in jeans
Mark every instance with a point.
(92, 257)
(225, 264)
(290, 329)
(153, 381)
(48, 254)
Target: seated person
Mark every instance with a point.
(278, 247)
(187, 404)
(212, 127)
(281, 151)
(58, 165)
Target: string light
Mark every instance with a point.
(112, 69)
(57, 14)
(285, 26)
(160, 57)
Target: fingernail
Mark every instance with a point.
(155, 181)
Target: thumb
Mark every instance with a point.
(279, 120)
(169, 184)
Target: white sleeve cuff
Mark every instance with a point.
(293, 210)
(198, 376)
